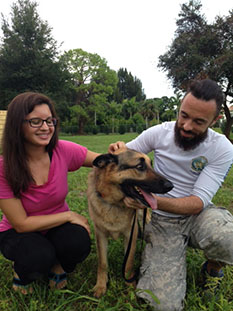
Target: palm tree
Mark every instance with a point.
(150, 110)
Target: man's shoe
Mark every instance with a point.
(210, 281)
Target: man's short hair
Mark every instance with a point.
(207, 90)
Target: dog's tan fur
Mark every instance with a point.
(106, 208)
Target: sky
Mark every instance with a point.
(129, 34)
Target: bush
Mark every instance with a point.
(140, 128)
(223, 125)
(70, 129)
(122, 129)
(153, 122)
(106, 129)
(88, 129)
(95, 129)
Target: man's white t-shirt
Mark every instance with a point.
(198, 172)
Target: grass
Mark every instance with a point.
(119, 297)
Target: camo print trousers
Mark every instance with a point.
(163, 269)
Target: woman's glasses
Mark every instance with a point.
(38, 122)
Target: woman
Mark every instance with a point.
(38, 232)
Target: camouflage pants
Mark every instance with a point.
(163, 269)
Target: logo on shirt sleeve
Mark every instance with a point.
(198, 164)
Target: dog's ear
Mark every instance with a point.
(104, 159)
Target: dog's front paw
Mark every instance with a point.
(99, 290)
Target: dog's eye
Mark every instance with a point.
(141, 167)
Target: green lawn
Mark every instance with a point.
(79, 295)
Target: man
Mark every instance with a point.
(196, 160)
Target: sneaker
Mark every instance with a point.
(211, 281)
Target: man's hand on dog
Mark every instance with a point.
(116, 146)
(131, 203)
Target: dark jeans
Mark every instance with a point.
(34, 253)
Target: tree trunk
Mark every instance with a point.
(81, 127)
(147, 122)
(229, 121)
(95, 118)
(227, 130)
(113, 125)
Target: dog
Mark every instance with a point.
(126, 173)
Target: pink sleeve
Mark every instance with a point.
(74, 154)
(5, 190)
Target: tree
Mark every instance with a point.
(130, 107)
(168, 108)
(201, 50)
(128, 86)
(149, 110)
(183, 60)
(28, 55)
(92, 81)
(220, 68)
(175, 102)
(113, 112)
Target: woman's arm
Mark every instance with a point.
(16, 215)
(90, 157)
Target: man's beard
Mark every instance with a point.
(186, 143)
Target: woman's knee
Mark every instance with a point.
(79, 245)
(36, 252)
(34, 257)
(72, 240)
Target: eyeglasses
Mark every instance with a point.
(38, 122)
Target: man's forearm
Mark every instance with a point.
(185, 206)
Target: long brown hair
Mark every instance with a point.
(17, 172)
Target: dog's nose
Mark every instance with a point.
(167, 185)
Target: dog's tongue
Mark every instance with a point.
(151, 200)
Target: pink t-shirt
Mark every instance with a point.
(50, 197)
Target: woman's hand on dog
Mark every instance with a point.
(131, 203)
(77, 219)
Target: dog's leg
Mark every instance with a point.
(102, 273)
(129, 268)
